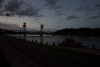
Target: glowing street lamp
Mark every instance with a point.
(20, 30)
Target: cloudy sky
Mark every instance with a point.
(54, 14)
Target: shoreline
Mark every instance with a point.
(41, 52)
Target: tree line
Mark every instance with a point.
(79, 32)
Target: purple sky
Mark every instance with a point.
(54, 14)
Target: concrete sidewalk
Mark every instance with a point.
(24, 54)
(15, 58)
(3, 60)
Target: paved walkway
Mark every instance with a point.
(3, 60)
(23, 54)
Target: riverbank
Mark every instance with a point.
(85, 41)
(44, 55)
(84, 55)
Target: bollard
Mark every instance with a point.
(32, 40)
(53, 43)
(93, 46)
(36, 41)
(46, 43)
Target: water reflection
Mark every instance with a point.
(86, 41)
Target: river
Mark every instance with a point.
(86, 41)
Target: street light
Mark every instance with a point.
(41, 33)
(20, 30)
(24, 27)
(7, 15)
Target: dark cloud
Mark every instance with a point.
(40, 15)
(87, 7)
(21, 8)
(78, 20)
(1, 2)
(83, 0)
(91, 10)
(57, 7)
(59, 26)
(71, 17)
(93, 17)
(13, 5)
(68, 8)
(39, 22)
(52, 4)
(58, 13)
(1, 5)
(36, 19)
(87, 14)
(82, 8)
(97, 5)
(59, 22)
(28, 10)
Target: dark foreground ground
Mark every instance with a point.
(24, 54)
(3, 60)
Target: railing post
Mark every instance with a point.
(53, 43)
(46, 43)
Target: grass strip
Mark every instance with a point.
(75, 54)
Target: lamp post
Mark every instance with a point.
(41, 33)
(7, 15)
(20, 30)
(5, 23)
(24, 27)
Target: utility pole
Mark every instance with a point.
(41, 33)
(5, 22)
(7, 15)
(24, 28)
